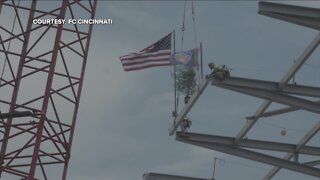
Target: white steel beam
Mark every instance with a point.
(300, 61)
(300, 145)
(304, 16)
(157, 176)
(248, 143)
(188, 106)
(277, 97)
(255, 156)
(269, 85)
(278, 111)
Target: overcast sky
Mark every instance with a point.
(122, 131)
(123, 120)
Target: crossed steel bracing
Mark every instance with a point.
(43, 74)
(296, 97)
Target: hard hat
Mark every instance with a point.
(211, 65)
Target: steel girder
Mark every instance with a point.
(278, 111)
(304, 16)
(269, 91)
(270, 86)
(312, 163)
(223, 144)
(250, 143)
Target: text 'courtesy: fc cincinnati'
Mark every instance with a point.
(72, 21)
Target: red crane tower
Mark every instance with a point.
(42, 72)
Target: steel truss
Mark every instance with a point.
(294, 96)
(45, 67)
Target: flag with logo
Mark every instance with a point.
(188, 58)
(157, 54)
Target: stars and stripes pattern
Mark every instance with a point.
(157, 54)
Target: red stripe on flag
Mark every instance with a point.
(157, 54)
(145, 55)
(145, 67)
(145, 61)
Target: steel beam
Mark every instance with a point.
(269, 86)
(255, 156)
(248, 143)
(15, 114)
(300, 145)
(188, 106)
(277, 97)
(157, 176)
(312, 163)
(264, 106)
(278, 111)
(304, 16)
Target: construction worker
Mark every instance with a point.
(219, 71)
(216, 68)
(186, 99)
(186, 124)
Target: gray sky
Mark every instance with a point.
(123, 120)
(124, 116)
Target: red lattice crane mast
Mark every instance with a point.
(40, 86)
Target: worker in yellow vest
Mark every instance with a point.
(220, 72)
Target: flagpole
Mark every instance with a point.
(201, 65)
(174, 76)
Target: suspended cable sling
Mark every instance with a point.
(183, 24)
(194, 25)
(174, 78)
(195, 54)
(176, 98)
(195, 38)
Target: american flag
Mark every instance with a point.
(157, 54)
